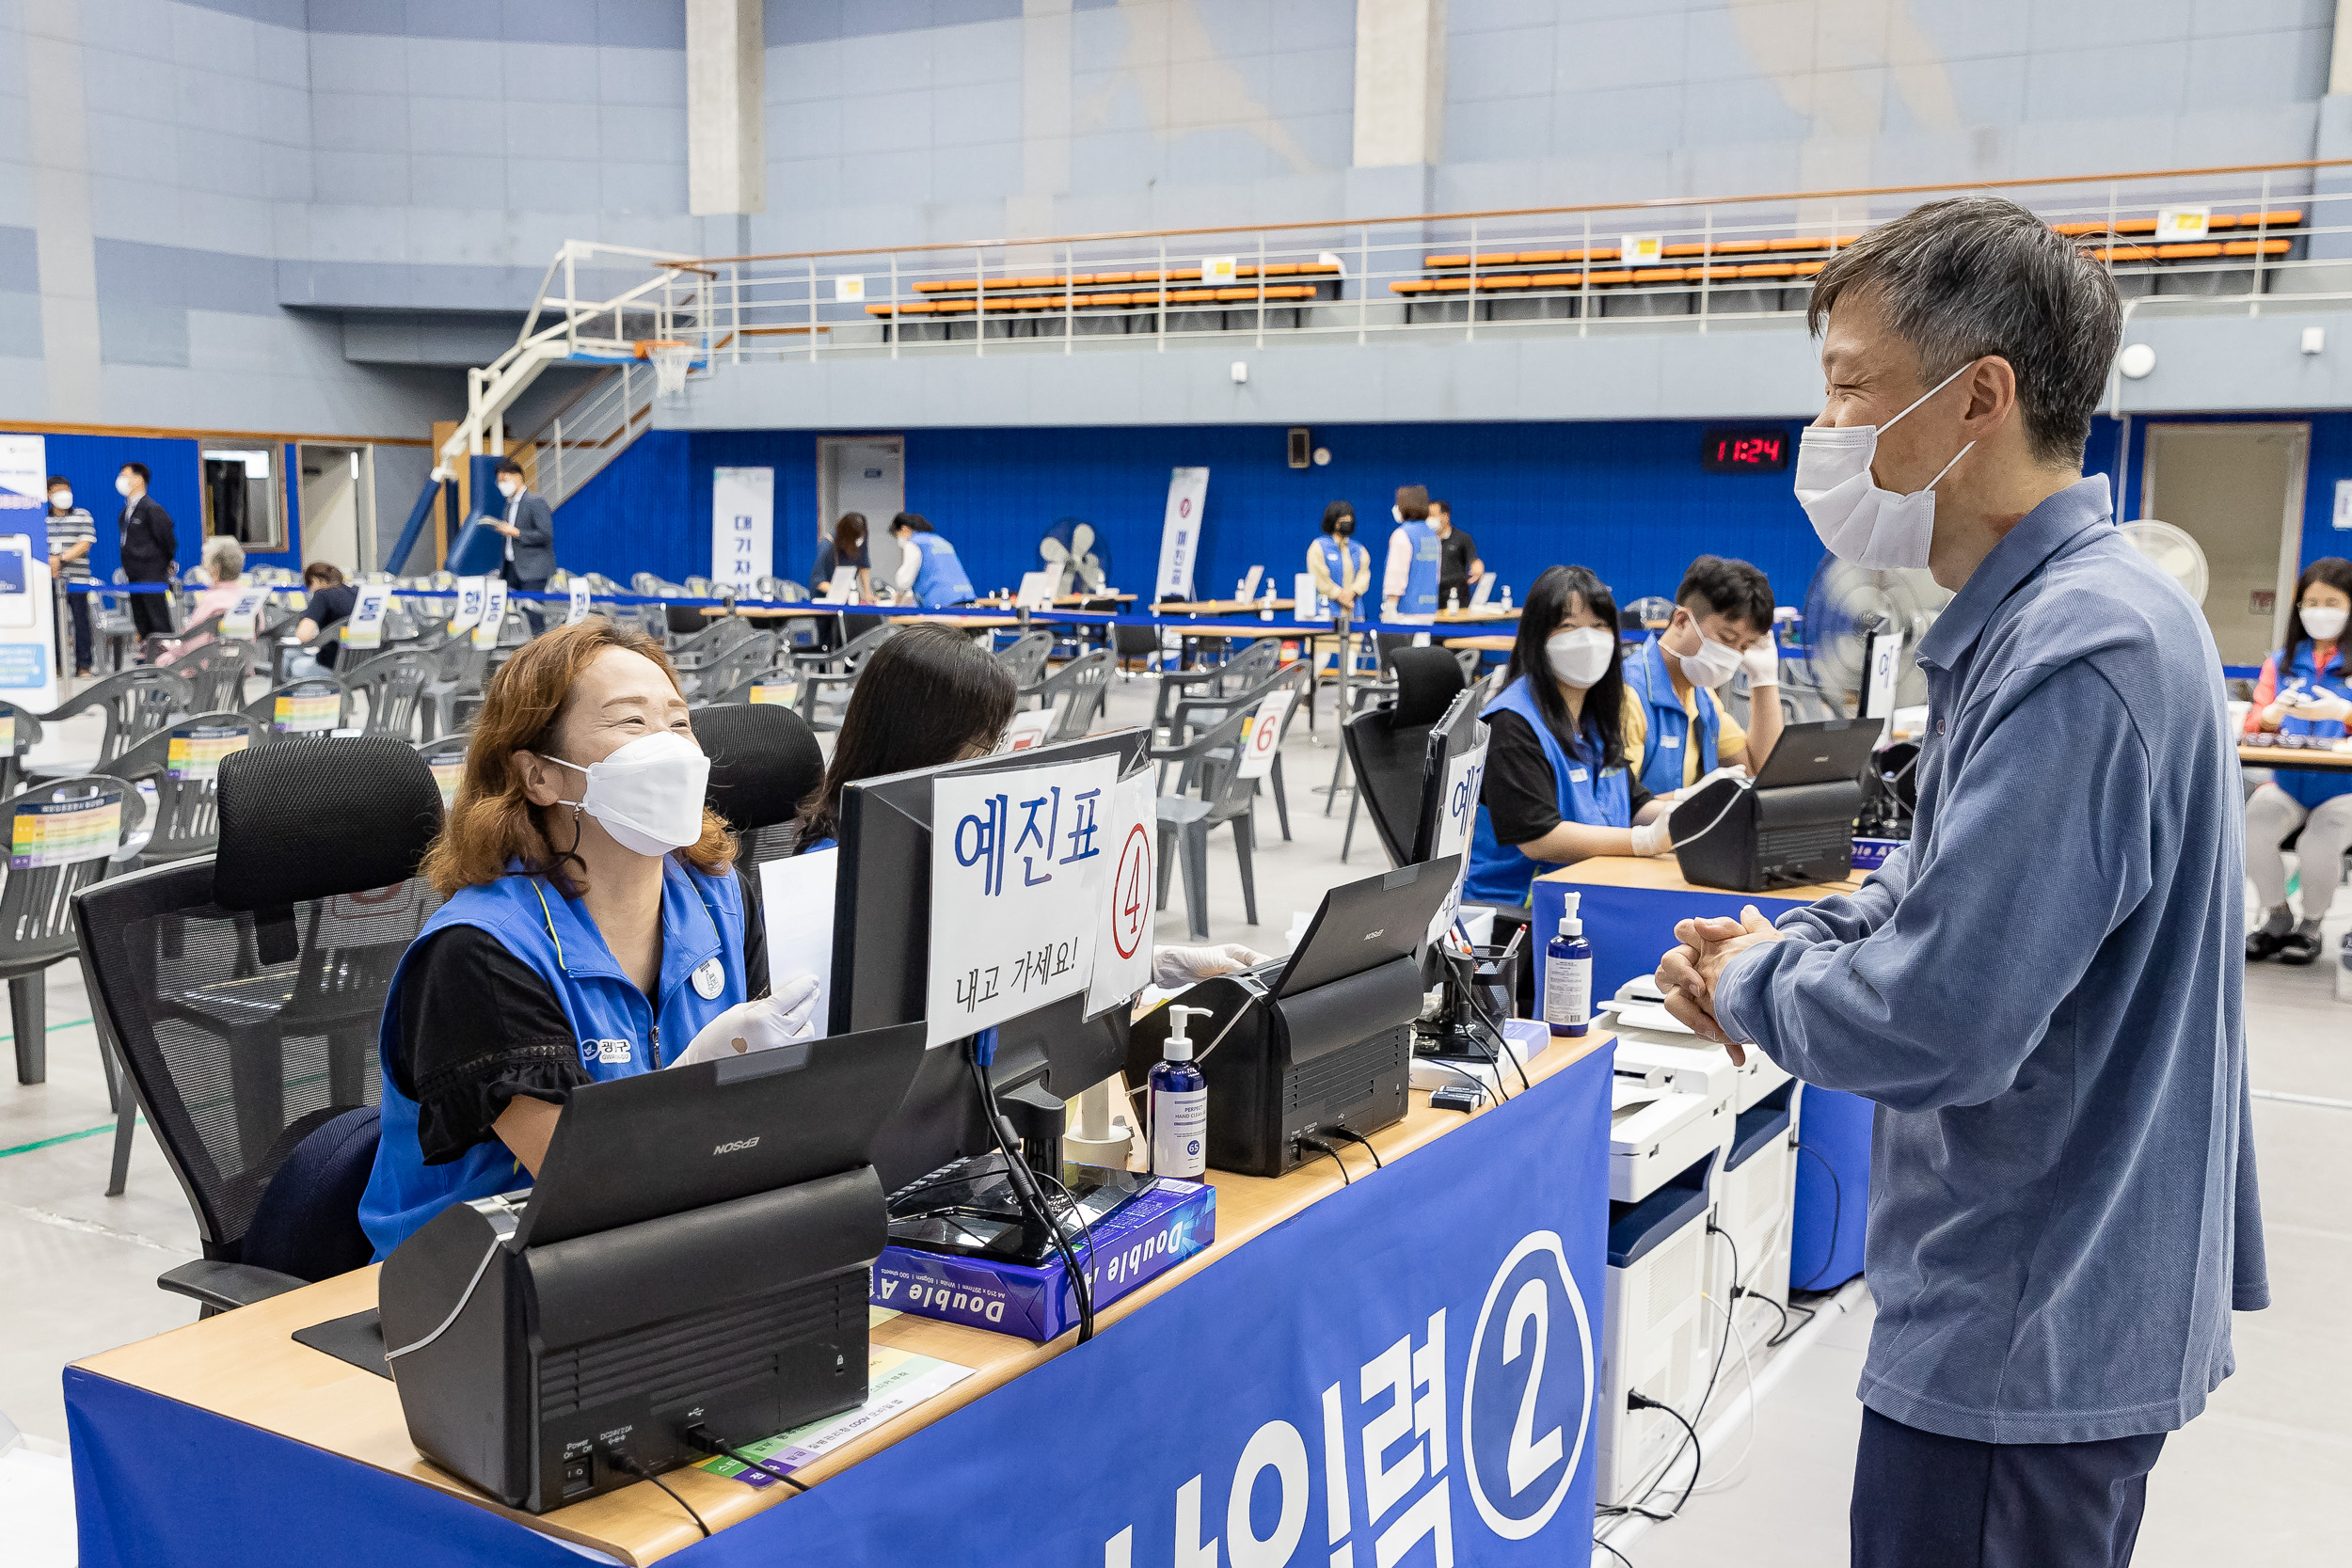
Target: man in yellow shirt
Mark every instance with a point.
(1722, 623)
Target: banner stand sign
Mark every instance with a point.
(742, 527)
(29, 609)
(1180, 534)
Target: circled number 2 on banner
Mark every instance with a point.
(1518, 1430)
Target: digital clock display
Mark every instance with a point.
(1744, 452)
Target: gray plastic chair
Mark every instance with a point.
(1196, 712)
(1185, 821)
(264, 709)
(1024, 661)
(456, 672)
(215, 674)
(731, 669)
(36, 916)
(186, 819)
(1081, 689)
(834, 675)
(393, 684)
(137, 703)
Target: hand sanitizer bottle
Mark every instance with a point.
(1180, 1104)
(1506, 596)
(1266, 602)
(1567, 975)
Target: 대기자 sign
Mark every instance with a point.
(1179, 533)
(485, 631)
(1018, 860)
(1122, 954)
(742, 526)
(62, 832)
(365, 629)
(196, 749)
(1260, 747)
(473, 594)
(580, 602)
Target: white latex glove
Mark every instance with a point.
(1181, 966)
(1762, 663)
(762, 1026)
(1652, 838)
(2320, 707)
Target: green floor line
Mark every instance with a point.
(69, 1023)
(60, 1138)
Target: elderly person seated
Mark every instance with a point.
(223, 570)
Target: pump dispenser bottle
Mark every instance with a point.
(1179, 1103)
(1568, 974)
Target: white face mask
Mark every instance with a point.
(2322, 622)
(508, 486)
(61, 499)
(1857, 520)
(123, 484)
(1580, 656)
(1713, 664)
(648, 794)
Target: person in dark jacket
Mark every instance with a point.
(528, 525)
(149, 545)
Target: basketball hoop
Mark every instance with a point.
(672, 361)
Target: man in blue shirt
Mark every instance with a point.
(2041, 991)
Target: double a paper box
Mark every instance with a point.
(1160, 1226)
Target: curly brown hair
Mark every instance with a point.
(492, 825)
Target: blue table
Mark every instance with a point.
(1405, 1369)
(1629, 908)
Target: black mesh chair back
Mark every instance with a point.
(393, 684)
(181, 764)
(315, 705)
(136, 703)
(1025, 660)
(1076, 694)
(244, 992)
(1133, 643)
(215, 674)
(764, 761)
(1389, 746)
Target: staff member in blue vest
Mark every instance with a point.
(927, 563)
(595, 928)
(1557, 787)
(1342, 568)
(1408, 586)
(1722, 623)
(2302, 691)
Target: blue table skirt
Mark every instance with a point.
(1233, 1404)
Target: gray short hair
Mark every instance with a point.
(1979, 274)
(224, 558)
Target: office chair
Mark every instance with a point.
(764, 761)
(244, 992)
(1389, 746)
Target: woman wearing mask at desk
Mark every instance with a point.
(929, 696)
(595, 928)
(1557, 787)
(846, 547)
(2302, 691)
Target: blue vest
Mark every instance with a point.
(941, 581)
(1499, 873)
(1662, 751)
(2308, 786)
(1340, 559)
(619, 1032)
(1420, 581)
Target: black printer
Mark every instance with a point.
(1793, 824)
(690, 1267)
(1319, 1040)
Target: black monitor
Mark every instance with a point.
(881, 971)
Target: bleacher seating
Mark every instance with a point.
(1110, 300)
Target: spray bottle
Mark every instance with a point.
(1568, 974)
(1179, 1103)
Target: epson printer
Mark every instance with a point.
(1793, 824)
(1318, 1041)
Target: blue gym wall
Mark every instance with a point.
(92, 462)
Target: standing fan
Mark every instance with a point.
(1843, 606)
(2173, 551)
(1070, 545)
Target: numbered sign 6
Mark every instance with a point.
(1265, 735)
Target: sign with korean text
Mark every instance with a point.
(1261, 744)
(312, 708)
(485, 631)
(195, 750)
(242, 616)
(473, 594)
(1018, 860)
(66, 828)
(742, 527)
(1179, 533)
(1457, 812)
(1122, 954)
(365, 627)
(578, 611)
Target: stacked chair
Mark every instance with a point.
(1211, 792)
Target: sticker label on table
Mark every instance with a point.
(197, 749)
(895, 1381)
(61, 833)
(308, 712)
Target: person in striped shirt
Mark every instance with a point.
(72, 533)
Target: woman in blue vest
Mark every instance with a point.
(1557, 788)
(595, 928)
(1342, 568)
(1409, 584)
(2302, 692)
(927, 563)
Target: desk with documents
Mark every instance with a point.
(227, 1442)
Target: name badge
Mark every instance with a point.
(710, 979)
(1669, 742)
(605, 1051)
(1578, 775)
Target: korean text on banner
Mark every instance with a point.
(1122, 954)
(1265, 735)
(1179, 533)
(240, 621)
(485, 631)
(1018, 860)
(365, 629)
(579, 603)
(62, 832)
(742, 526)
(1457, 812)
(473, 594)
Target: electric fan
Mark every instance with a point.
(1070, 545)
(2173, 551)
